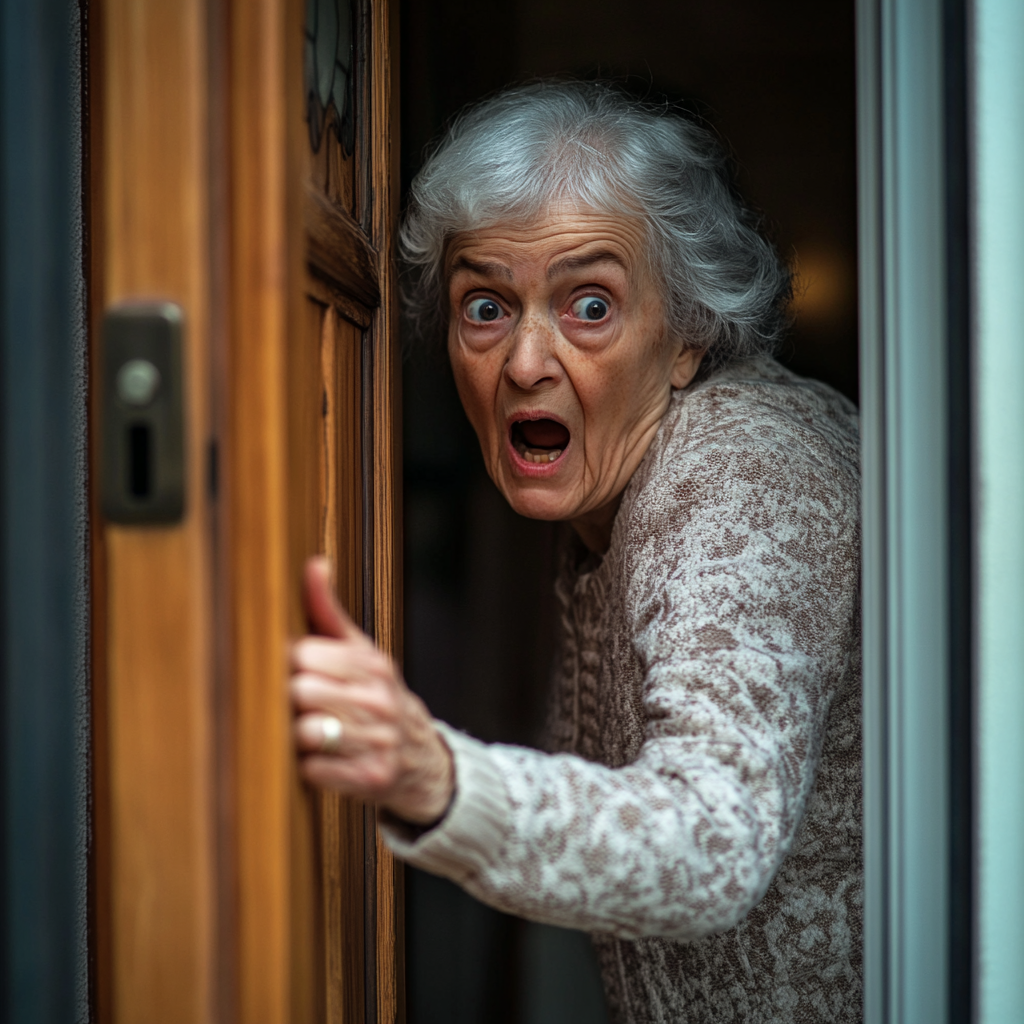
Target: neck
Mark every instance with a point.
(595, 528)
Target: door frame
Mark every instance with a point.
(918, 574)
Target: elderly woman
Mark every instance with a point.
(610, 313)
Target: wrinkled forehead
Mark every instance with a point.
(562, 236)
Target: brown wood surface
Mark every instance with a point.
(324, 292)
(332, 171)
(305, 489)
(155, 837)
(338, 250)
(341, 821)
(347, 264)
(297, 469)
(386, 465)
(224, 889)
(265, 260)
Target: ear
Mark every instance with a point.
(685, 367)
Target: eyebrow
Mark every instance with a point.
(585, 260)
(483, 268)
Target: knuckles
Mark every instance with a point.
(308, 732)
(340, 658)
(380, 665)
(379, 778)
(303, 685)
(304, 652)
(386, 741)
(388, 709)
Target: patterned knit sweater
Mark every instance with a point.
(700, 813)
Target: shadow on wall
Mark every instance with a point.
(777, 82)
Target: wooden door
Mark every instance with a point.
(242, 165)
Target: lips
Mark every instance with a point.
(540, 440)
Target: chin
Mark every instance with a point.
(536, 503)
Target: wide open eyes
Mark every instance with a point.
(483, 311)
(590, 308)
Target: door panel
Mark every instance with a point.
(225, 889)
(326, 269)
(154, 801)
(341, 822)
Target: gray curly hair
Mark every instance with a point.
(513, 155)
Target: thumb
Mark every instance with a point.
(326, 616)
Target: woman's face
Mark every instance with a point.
(562, 357)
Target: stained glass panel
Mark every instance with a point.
(328, 60)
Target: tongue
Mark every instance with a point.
(543, 433)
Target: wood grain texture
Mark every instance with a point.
(346, 272)
(332, 172)
(386, 457)
(337, 249)
(341, 821)
(326, 294)
(296, 489)
(225, 718)
(303, 288)
(305, 491)
(266, 260)
(155, 696)
(341, 833)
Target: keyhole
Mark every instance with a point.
(139, 460)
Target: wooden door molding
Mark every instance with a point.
(312, 314)
(385, 404)
(338, 249)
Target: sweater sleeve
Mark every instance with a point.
(740, 590)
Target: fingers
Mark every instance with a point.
(360, 702)
(311, 734)
(343, 678)
(326, 615)
(370, 767)
(387, 749)
(363, 762)
(319, 733)
(355, 741)
(340, 659)
(364, 778)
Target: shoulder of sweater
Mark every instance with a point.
(757, 406)
(763, 389)
(750, 428)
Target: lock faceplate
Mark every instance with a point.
(142, 478)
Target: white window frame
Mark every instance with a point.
(941, 178)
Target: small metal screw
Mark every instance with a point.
(138, 382)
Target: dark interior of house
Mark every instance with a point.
(776, 82)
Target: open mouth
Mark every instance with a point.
(539, 440)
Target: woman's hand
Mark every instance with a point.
(387, 750)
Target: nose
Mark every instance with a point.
(532, 361)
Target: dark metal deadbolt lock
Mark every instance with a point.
(143, 471)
